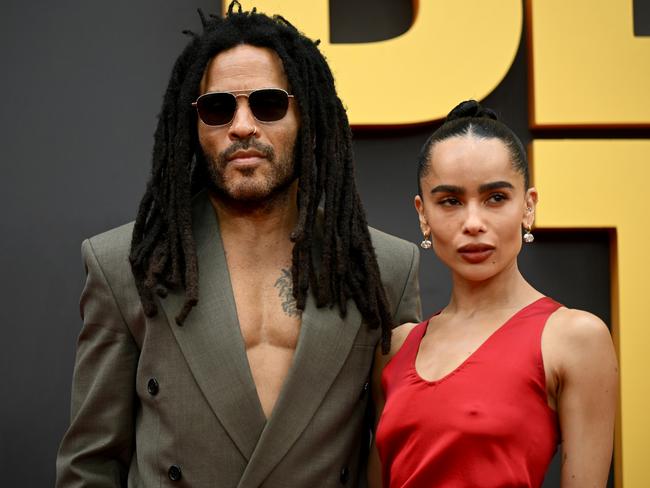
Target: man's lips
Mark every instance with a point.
(245, 156)
(475, 253)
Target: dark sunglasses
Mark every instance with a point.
(266, 104)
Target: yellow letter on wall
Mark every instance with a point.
(588, 69)
(602, 184)
(454, 50)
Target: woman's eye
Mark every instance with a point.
(497, 198)
(449, 201)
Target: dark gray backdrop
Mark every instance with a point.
(82, 83)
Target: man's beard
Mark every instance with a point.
(247, 190)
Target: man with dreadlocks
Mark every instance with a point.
(229, 332)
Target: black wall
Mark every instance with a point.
(82, 83)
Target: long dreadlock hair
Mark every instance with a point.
(163, 254)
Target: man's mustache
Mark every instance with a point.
(265, 150)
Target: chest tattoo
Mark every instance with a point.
(284, 284)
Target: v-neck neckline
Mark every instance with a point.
(474, 353)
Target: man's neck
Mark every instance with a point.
(259, 227)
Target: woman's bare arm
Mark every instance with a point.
(399, 335)
(584, 362)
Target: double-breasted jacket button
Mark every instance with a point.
(345, 475)
(153, 387)
(175, 473)
(364, 389)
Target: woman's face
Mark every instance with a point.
(474, 205)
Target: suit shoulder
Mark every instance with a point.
(118, 237)
(398, 262)
(111, 248)
(393, 253)
(387, 245)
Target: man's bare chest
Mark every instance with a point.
(266, 308)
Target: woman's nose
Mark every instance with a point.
(474, 221)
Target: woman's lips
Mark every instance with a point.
(475, 253)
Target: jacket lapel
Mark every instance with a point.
(323, 347)
(211, 340)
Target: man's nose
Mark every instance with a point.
(243, 124)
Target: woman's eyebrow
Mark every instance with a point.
(495, 185)
(448, 189)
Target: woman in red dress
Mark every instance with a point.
(481, 394)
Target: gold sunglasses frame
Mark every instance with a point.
(242, 93)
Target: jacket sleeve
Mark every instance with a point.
(409, 307)
(97, 448)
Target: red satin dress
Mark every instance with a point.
(485, 424)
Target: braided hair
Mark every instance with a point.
(163, 253)
(471, 118)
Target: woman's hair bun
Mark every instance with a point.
(470, 108)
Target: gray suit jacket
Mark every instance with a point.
(152, 401)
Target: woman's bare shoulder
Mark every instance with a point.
(570, 324)
(578, 339)
(400, 333)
